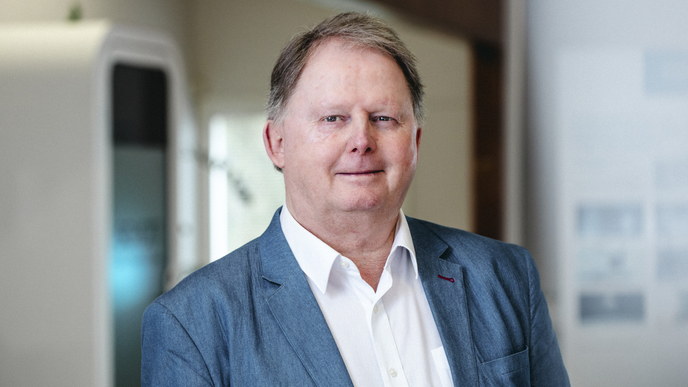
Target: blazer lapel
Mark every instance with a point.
(293, 305)
(443, 282)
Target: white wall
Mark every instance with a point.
(598, 137)
(165, 15)
(442, 188)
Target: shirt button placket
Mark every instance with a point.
(385, 347)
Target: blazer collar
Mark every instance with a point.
(277, 261)
(443, 282)
(296, 311)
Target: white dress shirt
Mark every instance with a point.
(386, 337)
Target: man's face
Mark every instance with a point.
(348, 140)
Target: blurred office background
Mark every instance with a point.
(131, 154)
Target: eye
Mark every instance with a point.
(332, 118)
(382, 119)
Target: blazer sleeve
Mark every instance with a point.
(546, 364)
(169, 355)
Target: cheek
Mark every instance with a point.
(406, 153)
(325, 150)
(312, 160)
(299, 150)
(315, 136)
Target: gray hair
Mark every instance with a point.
(358, 29)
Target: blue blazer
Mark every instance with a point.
(250, 318)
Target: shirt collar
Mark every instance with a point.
(316, 258)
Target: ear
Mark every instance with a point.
(273, 141)
(419, 131)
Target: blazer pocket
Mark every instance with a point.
(512, 370)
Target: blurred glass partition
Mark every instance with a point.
(608, 185)
(139, 241)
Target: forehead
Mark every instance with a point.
(333, 49)
(339, 63)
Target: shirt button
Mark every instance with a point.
(344, 264)
(375, 309)
(393, 372)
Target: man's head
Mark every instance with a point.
(357, 29)
(343, 126)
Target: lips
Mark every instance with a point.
(360, 173)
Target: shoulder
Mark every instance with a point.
(227, 283)
(489, 266)
(466, 248)
(188, 326)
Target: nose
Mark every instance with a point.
(362, 138)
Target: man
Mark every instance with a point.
(342, 288)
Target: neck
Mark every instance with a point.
(365, 237)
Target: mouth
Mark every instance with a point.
(361, 173)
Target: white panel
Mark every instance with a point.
(55, 194)
(54, 214)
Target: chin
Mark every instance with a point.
(364, 203)
(366, 200)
